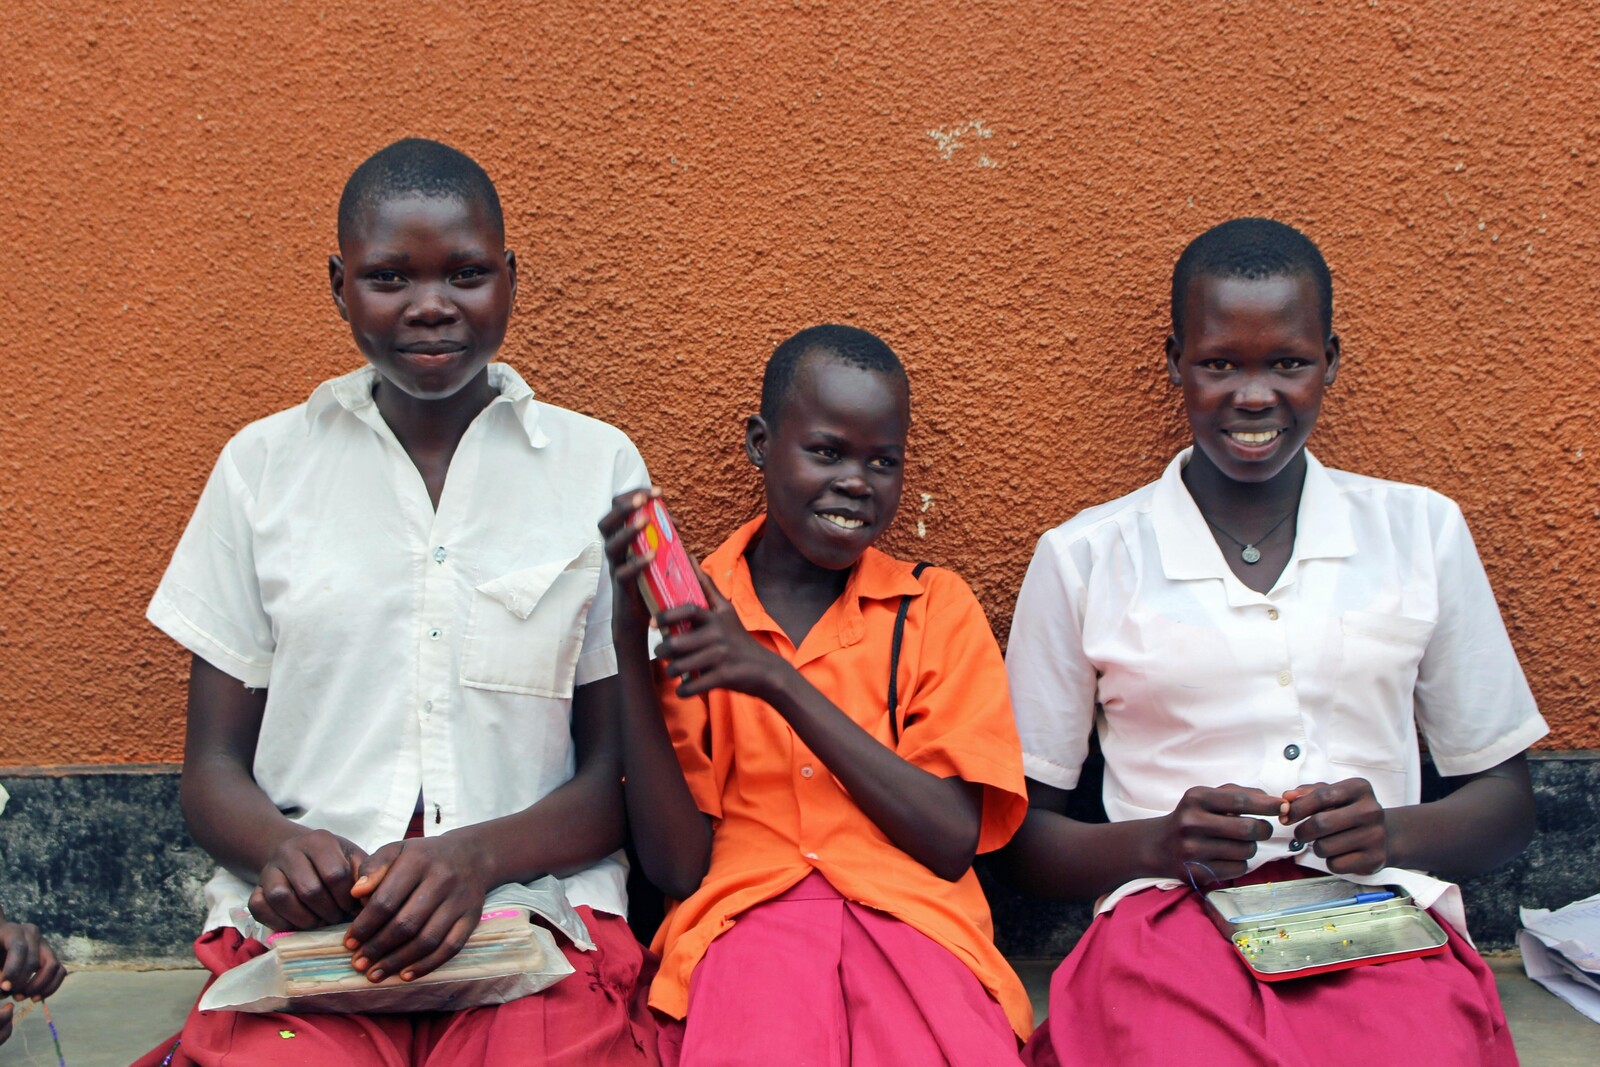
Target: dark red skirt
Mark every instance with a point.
(597, 1016)
(1154, 982)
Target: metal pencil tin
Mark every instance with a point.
(1321, 940)
(670, 580)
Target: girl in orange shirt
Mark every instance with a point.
(814, 810)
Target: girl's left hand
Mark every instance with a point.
(423, 897)
(717, 652)
(28, 968)
(1343, 823)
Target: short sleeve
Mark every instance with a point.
(689, 726)
(1053, 684)
(598, 657)
(209, 600)
(957, 715)
(1473, 703)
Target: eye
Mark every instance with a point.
(469, 274)
(385, 277)
(1291, 363)
(823, 452)
(1217, 364)
(883, 463)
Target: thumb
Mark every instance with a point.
(371, 869)
(714, 598)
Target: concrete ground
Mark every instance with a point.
(107, 1017)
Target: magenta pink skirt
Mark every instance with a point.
(810, 979)
(595, 1017)
(1154, 982)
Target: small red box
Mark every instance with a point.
(670, 580)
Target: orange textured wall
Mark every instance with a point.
(1000, 190)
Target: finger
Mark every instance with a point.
(627, 572)
(714, 596)
(1237, 800)
(52, 972)
(693, 614)
(703, 659)
(283, 904)
(21, 957)
(301, 872)
(334, 866)
(441, 938)
(620, 541)
(378, 929)
(1320, 798)
(417, 928)
(372, 870)
(454, 941)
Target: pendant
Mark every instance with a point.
(1251, 554)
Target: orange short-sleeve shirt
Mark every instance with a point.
(778, 813)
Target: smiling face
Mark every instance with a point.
(834, 463)
(426, 285)
(1253, 363)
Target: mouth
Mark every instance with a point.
(842, 520)
(1253, 438)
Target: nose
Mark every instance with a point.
(1254, 392)
(430, 305)
(853, 482)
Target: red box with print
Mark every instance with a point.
(670, 579)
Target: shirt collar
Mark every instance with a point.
(875, 576)
(353, 393)
(1189, 550)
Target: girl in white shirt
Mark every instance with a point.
(1257, 639)
(402, 686)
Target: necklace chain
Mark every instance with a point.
(1249, 552)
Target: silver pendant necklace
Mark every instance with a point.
(1250, 553)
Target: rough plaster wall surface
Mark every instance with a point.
(999, 191)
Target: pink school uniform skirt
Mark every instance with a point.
(1154, 982)
(810, 979)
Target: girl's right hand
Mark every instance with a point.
(619, 526)
(1212, 828)
(306, 883)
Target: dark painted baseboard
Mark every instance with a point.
(99, 859)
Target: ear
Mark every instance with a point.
(1174, 354)
(511, 272)
(336, 283)
(1331, 350)
(756, 439)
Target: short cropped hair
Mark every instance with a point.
(1253, 249)
(848, 344)
(416, 167)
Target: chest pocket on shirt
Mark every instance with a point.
(1373, 724)
(525, 631)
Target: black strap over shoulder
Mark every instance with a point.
(894, 656)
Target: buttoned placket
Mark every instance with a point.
(436, 592)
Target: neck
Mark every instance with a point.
(432, 425)
(776, 565)
(1221, 498)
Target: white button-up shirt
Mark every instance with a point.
(1130, 620)
(404, 651)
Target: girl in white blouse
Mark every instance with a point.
(1256, 639)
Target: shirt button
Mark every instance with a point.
(1296, 846)
(434, 633)
(1291, 752)
(811, 855)
(1272, 613)
(806, 771)
(439, 554)
(1284, 677)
